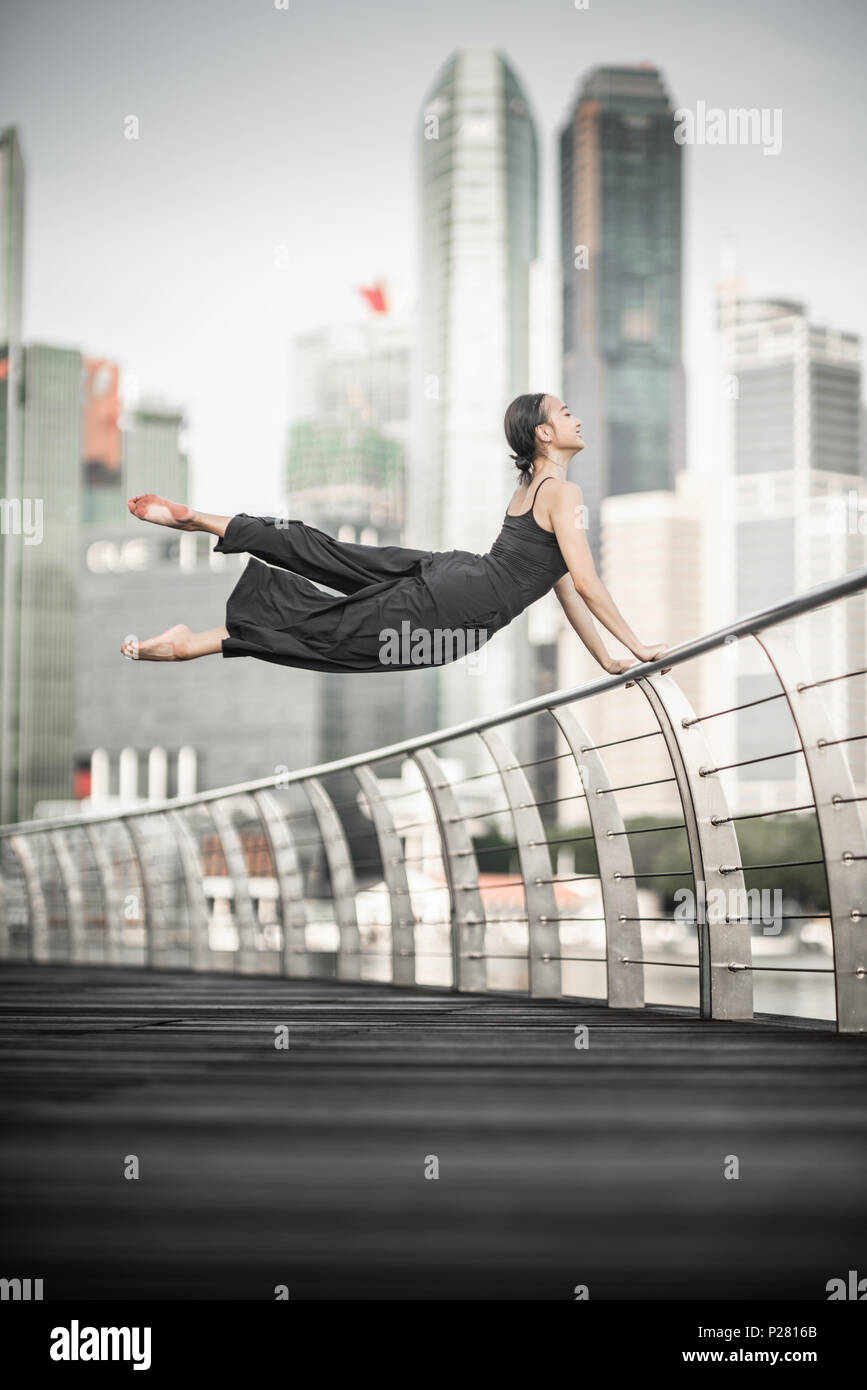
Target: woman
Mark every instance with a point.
(399, 608)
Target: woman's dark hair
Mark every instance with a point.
(522, 417)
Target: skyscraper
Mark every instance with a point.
(102, 498)
(153, 458)
(620, 172)
(356, 374)
(11, 369)
(478, 234)
(348, 440)
(51, 477)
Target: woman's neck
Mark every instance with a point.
(544, 467)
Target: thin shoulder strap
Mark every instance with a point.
(538, 490)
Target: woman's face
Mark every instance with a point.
(562, 430)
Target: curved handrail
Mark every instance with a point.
(168, 863)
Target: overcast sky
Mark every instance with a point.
(262, 127)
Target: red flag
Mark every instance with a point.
(375, 296)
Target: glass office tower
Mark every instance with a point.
(620, 172)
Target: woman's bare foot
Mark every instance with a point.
(172, 645)
(149, 507)
(177, 643)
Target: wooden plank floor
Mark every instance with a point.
(306, 1167)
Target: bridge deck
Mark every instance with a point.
(305, 1166)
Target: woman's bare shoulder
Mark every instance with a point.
(564, 491)
(563, 497)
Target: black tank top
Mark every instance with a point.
(531, 554)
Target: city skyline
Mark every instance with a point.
(320, 170)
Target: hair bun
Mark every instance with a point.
(523, 417)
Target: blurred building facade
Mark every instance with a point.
(102, 498)
(792, 393)
(154, 459)
(51, 473)
(620, 202)
(346, 461)
(40, 482)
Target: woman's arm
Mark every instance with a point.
(568, 519)
(579, 616)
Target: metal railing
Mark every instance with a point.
(269, 876)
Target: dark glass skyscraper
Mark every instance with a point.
(620, 170)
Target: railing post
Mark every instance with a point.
(4, 916)
(394, 872)
(841, 832)
(112, 900)
(623, 948)
(242, 902)
(290, 886)
(342, 876)
(151, 886)
(543, 918)
(13, 872)
(724, 946)
(39, 942)
(467, 925)
(69, 877)
(197, 907)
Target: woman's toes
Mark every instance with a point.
(148, 506)
(175, 644)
